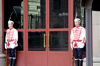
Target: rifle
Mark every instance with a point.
(6, 64)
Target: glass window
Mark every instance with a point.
(36, 14)
(14, 7)
(20, 41)
(36, 41)
(56, 4)
(80, 11)
(59, 41)
(58, 14)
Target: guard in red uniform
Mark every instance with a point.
(77, 41)
(11, 42)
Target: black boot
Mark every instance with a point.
(10, 59)
(13, 62)
(77, 62)
(80, 62)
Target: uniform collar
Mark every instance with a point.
(77, 26)
(11, 28)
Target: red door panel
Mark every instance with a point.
(39, 59)
(20, 61)
(59, 26)
(58, 59)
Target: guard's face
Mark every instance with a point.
(10, 25)
(77, 23)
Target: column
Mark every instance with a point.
(88, 61)
(2, 56)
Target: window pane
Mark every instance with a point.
(20, 41)
(56, 4)
(80, 11)
(58, 13)
(59, 41)
(16, 8)
(36, 14)
(36, 41)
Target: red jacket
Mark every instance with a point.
(11, 38)
(78, 37)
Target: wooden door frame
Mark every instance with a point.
(34, 30)
(70, 26)
(19, 30)
(25, 29)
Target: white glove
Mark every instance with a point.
(5, 45)
(71, 47)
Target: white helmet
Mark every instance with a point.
(10, 22)
(77, 19)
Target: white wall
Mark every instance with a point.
(95, 38)
(96, 32)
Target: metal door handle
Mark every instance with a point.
(48, 40)
(44, 41)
